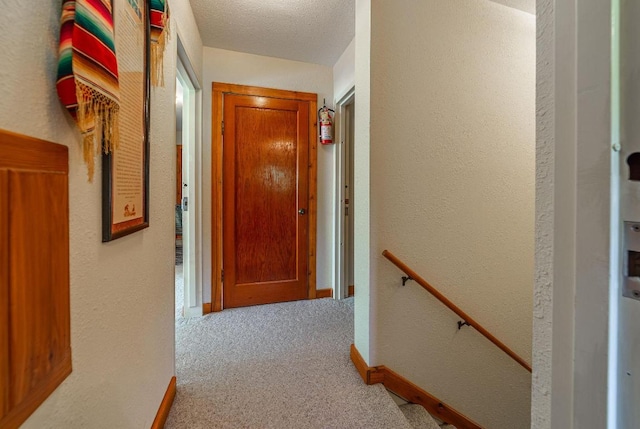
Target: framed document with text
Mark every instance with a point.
(125, 171)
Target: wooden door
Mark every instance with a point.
(265, 200)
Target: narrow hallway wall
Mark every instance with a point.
(122, 317)
(452, 194)
(344, 71)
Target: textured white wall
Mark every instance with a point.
(554, 307)
(188, 32)
(592, 153)
(364, 311)
(344, 71)
(543, 290)
(524, 5)
(350, 110)
(452, 194)
(573, 203)
(122, 317)
(240, 68)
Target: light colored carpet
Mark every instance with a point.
(275, 366)
(418, 417)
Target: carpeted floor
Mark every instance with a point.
(275, 366)
(418, 417)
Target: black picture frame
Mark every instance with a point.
(111, 231)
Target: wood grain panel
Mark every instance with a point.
(256, 91)
(39, 279)
(27, 153)
(216, 199)
(35, 355)
(265, 196)
(266, 213)
(4, 293)
(20, 412)
(220, 92)
(313, 191)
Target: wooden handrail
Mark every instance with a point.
(443, 299)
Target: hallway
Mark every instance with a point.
(491, 144)
(275, 366)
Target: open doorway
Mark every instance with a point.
(178, 209)
(344, 252)
(187, 210)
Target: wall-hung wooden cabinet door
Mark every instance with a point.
(35, 350)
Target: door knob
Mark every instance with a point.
(302, 211)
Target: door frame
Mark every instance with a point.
(339, 275)
(574, 258)
(217, 100)
(192, 144)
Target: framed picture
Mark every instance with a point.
(125, 172)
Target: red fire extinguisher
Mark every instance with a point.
(325, 125)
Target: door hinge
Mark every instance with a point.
(221, 276)
(222, 127)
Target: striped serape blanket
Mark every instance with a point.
(159, 37)
(88, 74)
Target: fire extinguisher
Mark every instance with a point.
(325, 124)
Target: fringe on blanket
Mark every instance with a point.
(98, 119)
(160, 34)
(87, 82)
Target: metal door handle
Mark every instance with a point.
(302, 211)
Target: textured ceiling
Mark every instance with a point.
(524, 5)
(314, 31)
